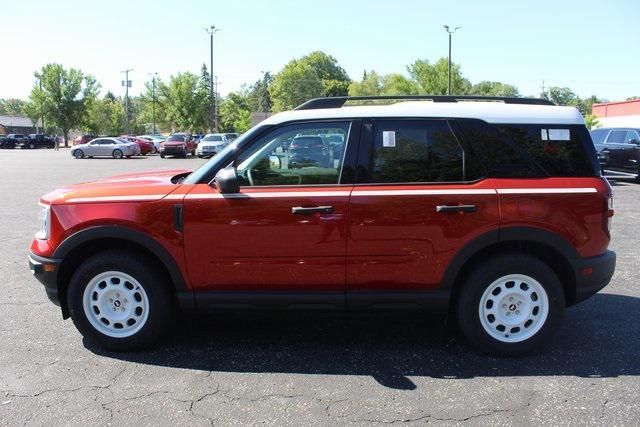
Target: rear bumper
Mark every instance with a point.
(592, 274)
(46, 271)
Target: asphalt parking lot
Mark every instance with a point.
(297, 369)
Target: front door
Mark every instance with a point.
(416, 204)
(283, 236)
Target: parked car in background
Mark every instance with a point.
(618, 149)
(231, 136)
(308, 150)
(83, 139)
(37, 140)
(211, 144)
(156, 140)
(179, 145)
(15, 139)
(106, 147)
(3, 140)
(146, 147)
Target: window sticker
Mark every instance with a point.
(388, 138)
(543, 134)
(559, 135)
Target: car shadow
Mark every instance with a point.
(599, 338)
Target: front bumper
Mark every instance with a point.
(592, 274)
(46, 271)
(170, 151)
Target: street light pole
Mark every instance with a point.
(211, 31)
(153, 100)
(450, 32)
(127, 84)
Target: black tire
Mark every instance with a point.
(484, 275)
(162, 155)
(116, 154)
(78, 154)
(154, 284)
(31, 146)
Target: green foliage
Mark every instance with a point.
(64, 96)
(259, 97)
(591, 121)
(432, 79)
(183, 100)
(373, 84)
(235, 113)
(311, 76)
(489, 88)
(106, 116)
(12, 106)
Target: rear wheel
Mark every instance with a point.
(162, 155)
(78, 154)
(119, 302)
(32, 145)
(117, 154)
(510, 304)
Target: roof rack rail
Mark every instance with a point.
(339, 101)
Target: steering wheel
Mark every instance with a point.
(249, 177)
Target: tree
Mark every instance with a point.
(489, 88)
(259, 97)
(12, 106)
(235, 113)
(65, 96)
(391, 84)
(183, 101)
(370, 85)
(432, 79)
(106, 116)
(34, 111)
(311, 76)
(591, 121)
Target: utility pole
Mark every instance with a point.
(548, 91)
(127, 84)
(450, 32)
(153, 99)
(211, 31)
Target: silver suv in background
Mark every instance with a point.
(212, 143)
(106, 147)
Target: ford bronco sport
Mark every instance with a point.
(492, 209)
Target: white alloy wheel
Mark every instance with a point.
(115, 304)
(513, 308)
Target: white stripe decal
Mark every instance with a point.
(419, 192)
(269, 195)
(139, 198)
(546, 190)
(276, 194)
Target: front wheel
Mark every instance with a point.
(118, 302)
(510, 305)
(78, 154)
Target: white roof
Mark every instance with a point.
(491, 112)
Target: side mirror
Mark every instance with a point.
(226, 181)
(634, 142)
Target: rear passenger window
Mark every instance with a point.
(415, 151)
(617, 137)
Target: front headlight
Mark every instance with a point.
(44, 222)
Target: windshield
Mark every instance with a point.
(212, 138)
(174, 138)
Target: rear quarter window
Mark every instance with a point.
(532, 150)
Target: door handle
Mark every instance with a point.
(456, 208)
(299, 210)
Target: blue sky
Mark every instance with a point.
(591, 47)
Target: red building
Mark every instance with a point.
(618, 114)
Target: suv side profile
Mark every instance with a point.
(618, 149)
(492, 210)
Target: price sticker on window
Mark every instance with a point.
(559, 135)
(388, 138)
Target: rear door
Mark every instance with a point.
(416, 202)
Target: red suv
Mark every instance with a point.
(495, 212)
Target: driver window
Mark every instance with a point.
(304, 154)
